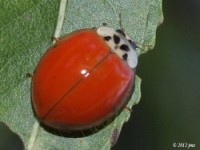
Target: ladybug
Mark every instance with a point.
(84, 79)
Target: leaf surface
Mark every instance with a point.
(25, 34)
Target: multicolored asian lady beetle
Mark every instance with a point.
(84, 78)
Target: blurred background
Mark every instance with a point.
(169, 110)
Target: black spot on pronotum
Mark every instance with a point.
(116, 39)
(107, 38)
(125, 56)
(133, 45)
(121, 32)
(124, 47)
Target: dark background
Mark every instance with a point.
(169, 110)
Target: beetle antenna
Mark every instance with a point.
(120, 22)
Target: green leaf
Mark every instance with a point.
(25, 32)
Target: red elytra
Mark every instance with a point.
(79, 83)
